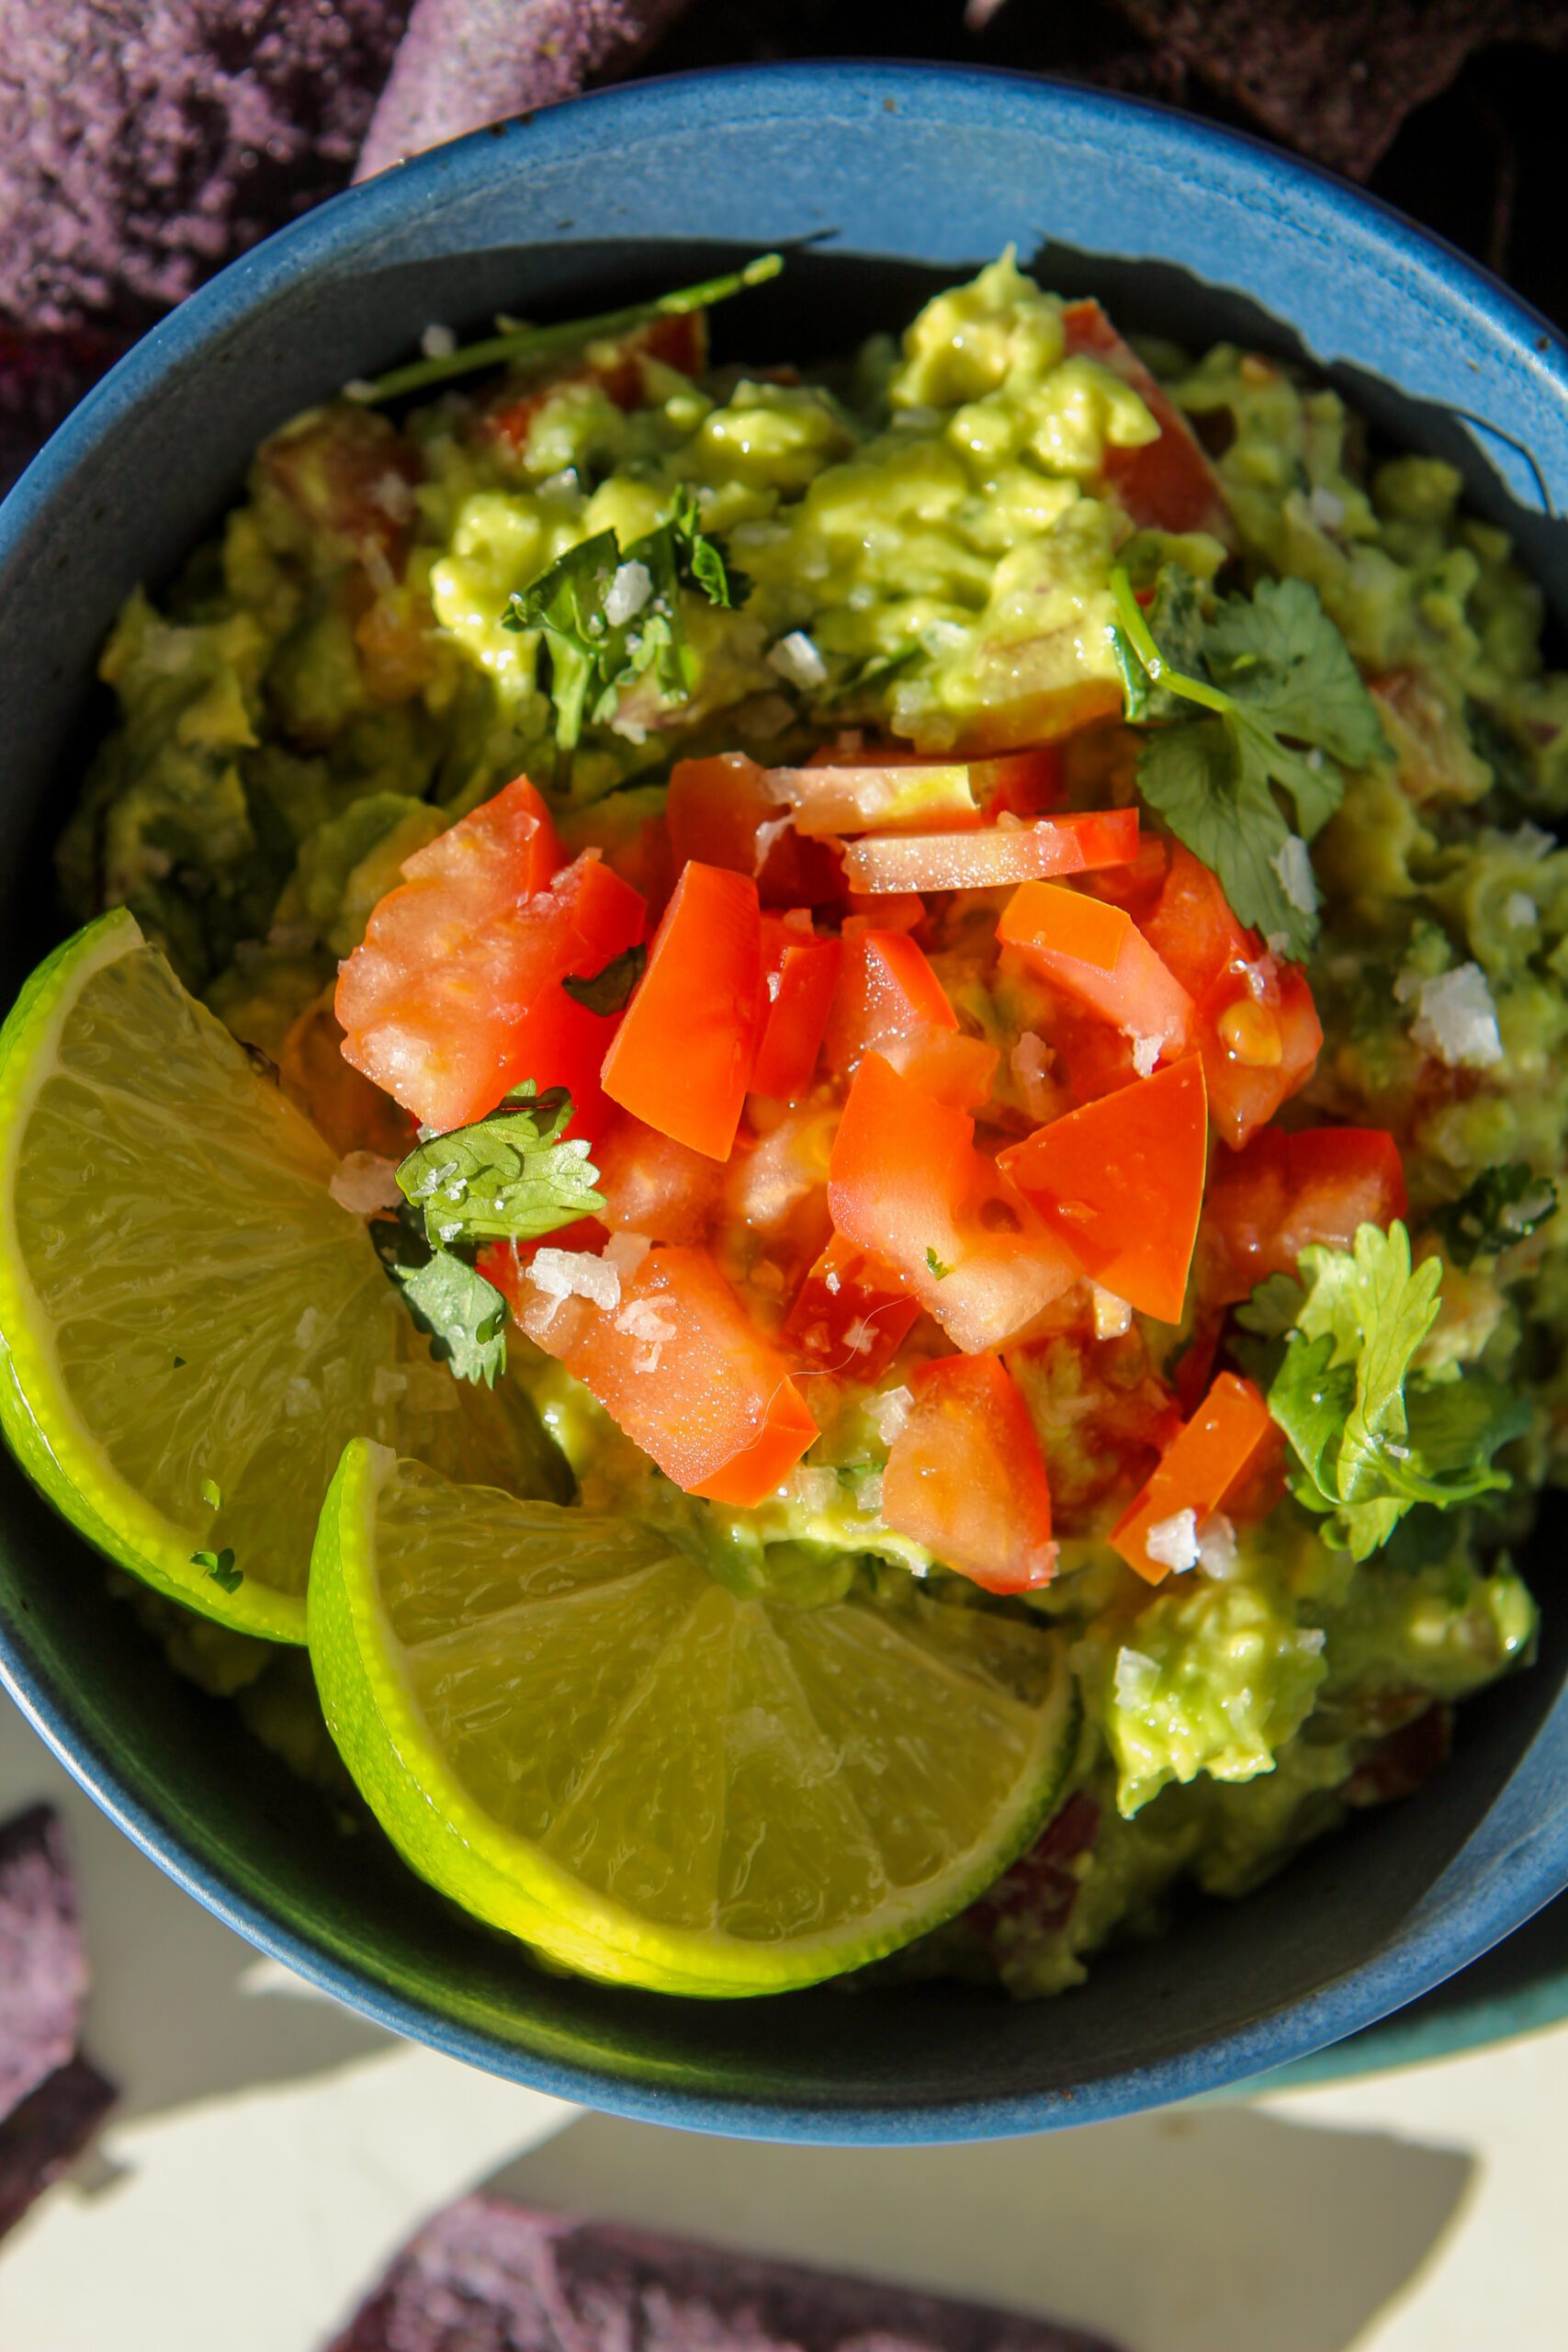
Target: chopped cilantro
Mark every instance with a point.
(609, 990)
(934, 1263)
(526, 344)
(509, 1177)
(465, 1314)
(1370, 1436)
(1501, 1207)
(611, 617)
(1286, 710)
(219, 1566)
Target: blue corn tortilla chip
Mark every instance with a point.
(43, 1969)
(47, 2133)
(492, 2275)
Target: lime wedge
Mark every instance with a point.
(581, 1736)
(191, 1328)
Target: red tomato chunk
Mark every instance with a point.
(800, 972)
(1271, 1200)
(679, 1365)
(682, 1055)
(967, 1478)
(1199, 1470)
(994, 857)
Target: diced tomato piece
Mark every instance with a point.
(432, 999)
(994, 856)
(1137, 886)
(1096, 954)
(1260, 1038)
(1168, 484)
(723, 812)
(886, 989)
(954, 1069)
(876, 796)
(906, 1183)
(891, 910)
(617, 368)
(653, 1185)
(679, 1366)
(349, 473)
(1270, 1199)
(1022, 782)
(559, 1042)
(1198, 1471)
(967, 1478)
(800, 973)
(851, 1314)
(1121, 1182)
(682, 1055)
(1191, 928)
(1257, 1024)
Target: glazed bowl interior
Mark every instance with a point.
(888, 182)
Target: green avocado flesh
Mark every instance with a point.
(930, 531)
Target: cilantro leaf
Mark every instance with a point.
(611, 617)
(526, 344)
(608, 990)
(219, 1566)
(936, 1267)
(1501, 1207)
(1372, 1436)
(1286, 704)
(509, 1177)
(465, 1314)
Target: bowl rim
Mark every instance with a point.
(1414, 1960)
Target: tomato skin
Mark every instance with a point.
(952, 1069)
(800, 973)
(1280, 1193)
(1096, 953)
(967, 1478)
(680, 342)
(1166, 485)
(886, 990)
(906, 1183)
(431, 1000)
(559, 1042)
(682, 1055)
(851, 1313)
(653, 1185)
(1121, 1179)
(722, 811)
(994, 856)
(683, 1370)
(1215, 1454)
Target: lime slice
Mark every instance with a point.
(191, 1328)
(580, 1736)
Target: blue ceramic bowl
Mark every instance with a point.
(892, 180)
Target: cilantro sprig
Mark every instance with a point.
(1284, 711)
(511, 1176)
(1502, 1205)
(611, 615)
(1372, 1435)
(526, 344)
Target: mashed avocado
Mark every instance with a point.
(930, 537)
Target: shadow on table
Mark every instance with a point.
(182, 2008)
(1212, 2231)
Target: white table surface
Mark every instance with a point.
(271, 2151)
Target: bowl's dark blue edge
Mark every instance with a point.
(1417, 1961)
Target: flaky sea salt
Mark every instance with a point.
(1519, 911)
(1145, 1053)
(889, 1412)
(796, 659)
(630, 587)
(1216, 1547)
(561, 1275)
(1328, 506)
(814, 1489)
(1134, 1680)
(437, 342)
(1113, 1316)
(1456, 1018)
(1293, 863)
(1173, 1542)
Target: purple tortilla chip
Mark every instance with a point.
(48, 2132)
(43, 1969)
(464, 64)
(141, 147)
(491, 2277)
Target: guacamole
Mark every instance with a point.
(1010, 547)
